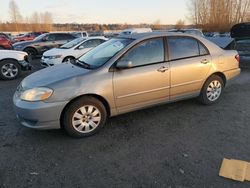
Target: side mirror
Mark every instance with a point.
(80, 47)
(124, 64)
(44, 40)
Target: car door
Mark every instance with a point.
(46, 43)
(146, 82)
(190, 64)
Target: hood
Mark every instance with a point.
(14, 52)
(54, 51)
(241, 31)
(51, 75)
(24, 43)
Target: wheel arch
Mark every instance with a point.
(220, 74)
(9, 59)
(98, 97)
(30, 47)
(68, 56)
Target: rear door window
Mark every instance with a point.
(64, 37)
(185, 47)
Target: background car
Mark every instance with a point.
(12, 63)
(43, 43)
(27, 36)
(135, 30)
(6, 35)
(240, 35)
(122, 75)
(196, 32)
(81, 34)
(70, 51)
(5, 43)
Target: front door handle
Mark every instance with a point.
(162, 69)
(204, 61)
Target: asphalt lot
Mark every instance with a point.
(175, 145)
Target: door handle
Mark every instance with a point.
(204, 61)
(162, 69)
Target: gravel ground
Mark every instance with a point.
(175, 145)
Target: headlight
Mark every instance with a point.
(36, 94)
(55, 56)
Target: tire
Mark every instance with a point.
(31, 51)
(212, 90)
(2, 48)
(84, 117)
(9, 70)
(66, 59)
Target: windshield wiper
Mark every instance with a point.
(82, 63)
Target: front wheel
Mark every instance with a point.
(9, 69)
(84, 117)
(68, 59)
(212, 90)
(31, 51)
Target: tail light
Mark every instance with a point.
(237, 57)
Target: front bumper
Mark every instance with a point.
(46, 62)
(25, 65)
(38, 115)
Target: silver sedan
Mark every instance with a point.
(124, 74)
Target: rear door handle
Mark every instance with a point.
(204, 61)
(162, 69)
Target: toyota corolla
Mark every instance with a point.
(124, 74)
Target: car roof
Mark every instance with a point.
(147, 35)
(213, 48)
(95, 37)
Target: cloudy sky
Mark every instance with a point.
(103, 11)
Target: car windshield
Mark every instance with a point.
(72, 43)
(104, 52)
(40, 36)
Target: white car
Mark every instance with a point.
(12, 63)
(135, 30)
(80, 34)
(70, 51)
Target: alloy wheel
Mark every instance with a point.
(9, 70)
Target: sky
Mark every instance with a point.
(103, 11)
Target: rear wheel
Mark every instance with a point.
(212, 90)
(84, 117)
(9, 69)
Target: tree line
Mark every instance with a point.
(218, 15)
(208, 15)
(42, 21)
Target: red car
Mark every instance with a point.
(27, 37)
(5, 43)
